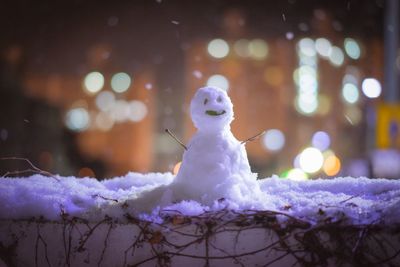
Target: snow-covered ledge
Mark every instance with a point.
(67, 221)
(213, 213)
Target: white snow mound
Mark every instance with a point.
(358, 200)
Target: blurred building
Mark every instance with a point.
(309, 73)
(304, 90)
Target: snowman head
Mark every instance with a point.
(211, 109)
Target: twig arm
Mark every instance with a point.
(175, 138)
(252, 138)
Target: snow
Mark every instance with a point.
(359, 200)
(215, 174)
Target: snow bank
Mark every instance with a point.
(355, 200)
(129, 221)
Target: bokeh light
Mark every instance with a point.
(350, 78)
(305, 105)
(352, 48)
(104, 121)
(93, 82)
(86, 172)
(120, 82)
(176, 168)
(274, 140)
(321, 140)
(350, 93)
(218, 80)
(311, 160)
(289, 35)
(105, 100)
(77, 119)
(137, 110)
(332, 165)
(336, 56)
(120, 111)
(371, 88)
(296, 161)
(323, 47)
(258, 49)
(306, 46)
(241, 48)
(198, 74)
(218, 48)
(306, 101)
(297, 175)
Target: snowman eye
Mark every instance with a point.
(219, 99)
(205, 101)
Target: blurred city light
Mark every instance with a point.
(327, 153)
(305, 105)
(336, 56)
(197, 74)
(218, 48)
(104, 121)
(332, 165)
(350, 78)
(311, 160)
(289, 35)
(321, 140)
(77, 119)
(241, 48)
(323, 47)
(371, 88)
(137, 110)
(258, 49)
(105, 100)
(274, 140)
(120, 111)
(86, 172)
(350, 93)
(218, 80)
(305, 77)
(93, 82)
(120, 82)
(297, 175)
(296, 161)
(306, 46)
(177, 167)
(352, 48)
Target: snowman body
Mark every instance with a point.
(215, 164)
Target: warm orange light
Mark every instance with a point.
(86, 172)
(332, 165)
(176, 168)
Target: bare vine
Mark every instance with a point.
(307, 244)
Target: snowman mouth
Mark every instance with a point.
(215, 113)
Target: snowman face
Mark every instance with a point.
(211, 109)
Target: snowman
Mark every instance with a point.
(215, 164)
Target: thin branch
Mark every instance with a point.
(34, 168)
(252, 138)
(175, 138)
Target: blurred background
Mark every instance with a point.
(88, 87)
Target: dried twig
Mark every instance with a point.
(175, 138)
(33, 169)
(293, 240)
(252, 138)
